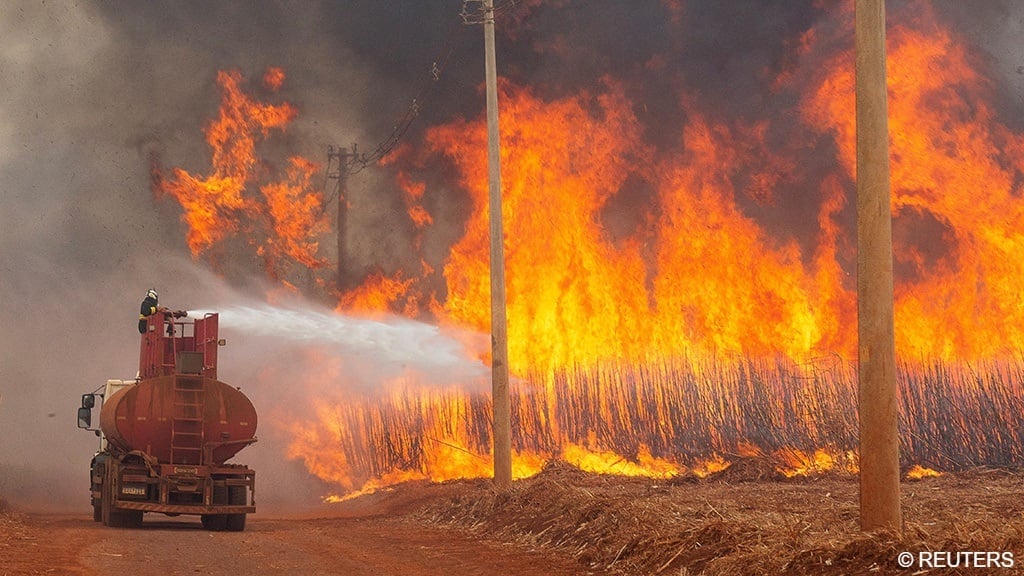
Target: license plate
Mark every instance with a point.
(134, 490)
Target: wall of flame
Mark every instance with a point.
(625, 257)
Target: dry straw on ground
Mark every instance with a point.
(747, 521)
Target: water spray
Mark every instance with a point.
(391, 341)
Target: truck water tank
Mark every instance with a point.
(178, 418)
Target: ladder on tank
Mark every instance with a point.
(187, 428)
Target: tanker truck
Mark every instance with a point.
(166, 435)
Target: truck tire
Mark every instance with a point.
(236, 497)
(115, 518)
(111, 516)
(96, 479)
(107, 515)
(131, 518)
(216, 522)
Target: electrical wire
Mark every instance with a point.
(428, 85)
(353, 163)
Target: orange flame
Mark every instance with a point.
(378, 294)
(283, 221)
(918, 472)
(673, 285)
(956, 193)
(295, 208)
(698, 277)
(273, 78)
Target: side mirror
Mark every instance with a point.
(88, 401)
(84, 417)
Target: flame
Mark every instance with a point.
(378, 295)
(799, 463)
(282, 222)
(711, 466)
(609, 462)
(576, 296)
(645, 334)
(563, 273)
(273, 78)
(918, 472)
(956, 193)
(294, 208)
(413, 198)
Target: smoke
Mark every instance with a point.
(90, 91)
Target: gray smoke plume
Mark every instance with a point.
(91, 91)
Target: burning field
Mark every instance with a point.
(676, 300)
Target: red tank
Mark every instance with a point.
(179, 412)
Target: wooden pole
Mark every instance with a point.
(499, 334)
(879, 434)
(342, 222)
(344, 157)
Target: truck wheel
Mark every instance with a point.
(236, 522)
(114, 517)
(236, 497)
(132, 518)
(108, 515)
(97, 512)
(214, 522)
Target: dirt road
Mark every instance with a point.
(372, 546)
(379, 535)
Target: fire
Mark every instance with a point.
(378, 294)
(575, 296)
(799, 463)
(294, 208)
(956, 193)
(413, 198)
(273, 78)
(608, 462)
(282, 222)
(711, 466)
(918, 472)
(563, 273)
(656, 317)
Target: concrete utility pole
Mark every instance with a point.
(499, 332)
(344, 158)
(879, 411)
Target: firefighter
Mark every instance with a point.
(149, 307)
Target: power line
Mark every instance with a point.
(479, 15)
(468, 16)
(427, 87)
(352, 163)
